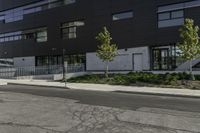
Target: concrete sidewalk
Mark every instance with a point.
(109, 88)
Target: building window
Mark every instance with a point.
(178, 56)
(69, 29)
(166, 57)
(2, 17)
(13, 15)
(122, 15)
(161, 59)
(66, 2)
(164, 16)
(11, 36)
(18, 13)
(7, 62)
(179, 6)
(29, 36)
(58, 59)
(75, 59)
(171, 18)
(32, 10)
(42, 61)
(41, 35)
(38, 34)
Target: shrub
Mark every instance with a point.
(197, 77)
(184, 76)
(133, 77)
(121, 80)
(170, 79)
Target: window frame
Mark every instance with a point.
(30, 34)
(123, 12)
(71, 24)
(170, 17)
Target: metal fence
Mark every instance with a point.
(12, 72)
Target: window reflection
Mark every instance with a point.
(69, 29)
(39, 34)
(18, 13)
(170, 18)
(122, 15)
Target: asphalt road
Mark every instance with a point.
(111, 99)
(30, 109)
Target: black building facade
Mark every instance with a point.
(48, 29)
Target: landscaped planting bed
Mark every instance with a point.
(175, 80)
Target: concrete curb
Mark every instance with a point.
(142, 92)
(159, 94)
(61, 87)
(118, 89)
(3, 83)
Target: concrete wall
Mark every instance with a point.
(123, 62)
(24, 61)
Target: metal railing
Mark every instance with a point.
(73, 68)
(11, 72)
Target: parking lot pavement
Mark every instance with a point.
(25, 113)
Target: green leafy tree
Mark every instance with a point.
(106, 50)
(189, 42)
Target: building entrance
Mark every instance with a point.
(160, 59)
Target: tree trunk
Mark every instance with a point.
(192, 76)
(106, 73)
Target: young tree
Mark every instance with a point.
(189, 42)
(106, 50)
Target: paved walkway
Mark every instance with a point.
(111, 88)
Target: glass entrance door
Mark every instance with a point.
(156, 59)
(160, 59)
(164, 59)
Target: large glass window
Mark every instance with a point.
(42, 61)
(32, 10)
(161, 59)
(166, 57)
(41, 35)
(69, 29)
(2, 17)
(38, 34)
(11, 36)
(58, 59)
(169, 19)
(156, 59)
(75, 59)
(122, 15)
(66, 2)
(179, 6)
(177, 14)
(164, 16)
(178, 56)
(28, 36)
(18, 13)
